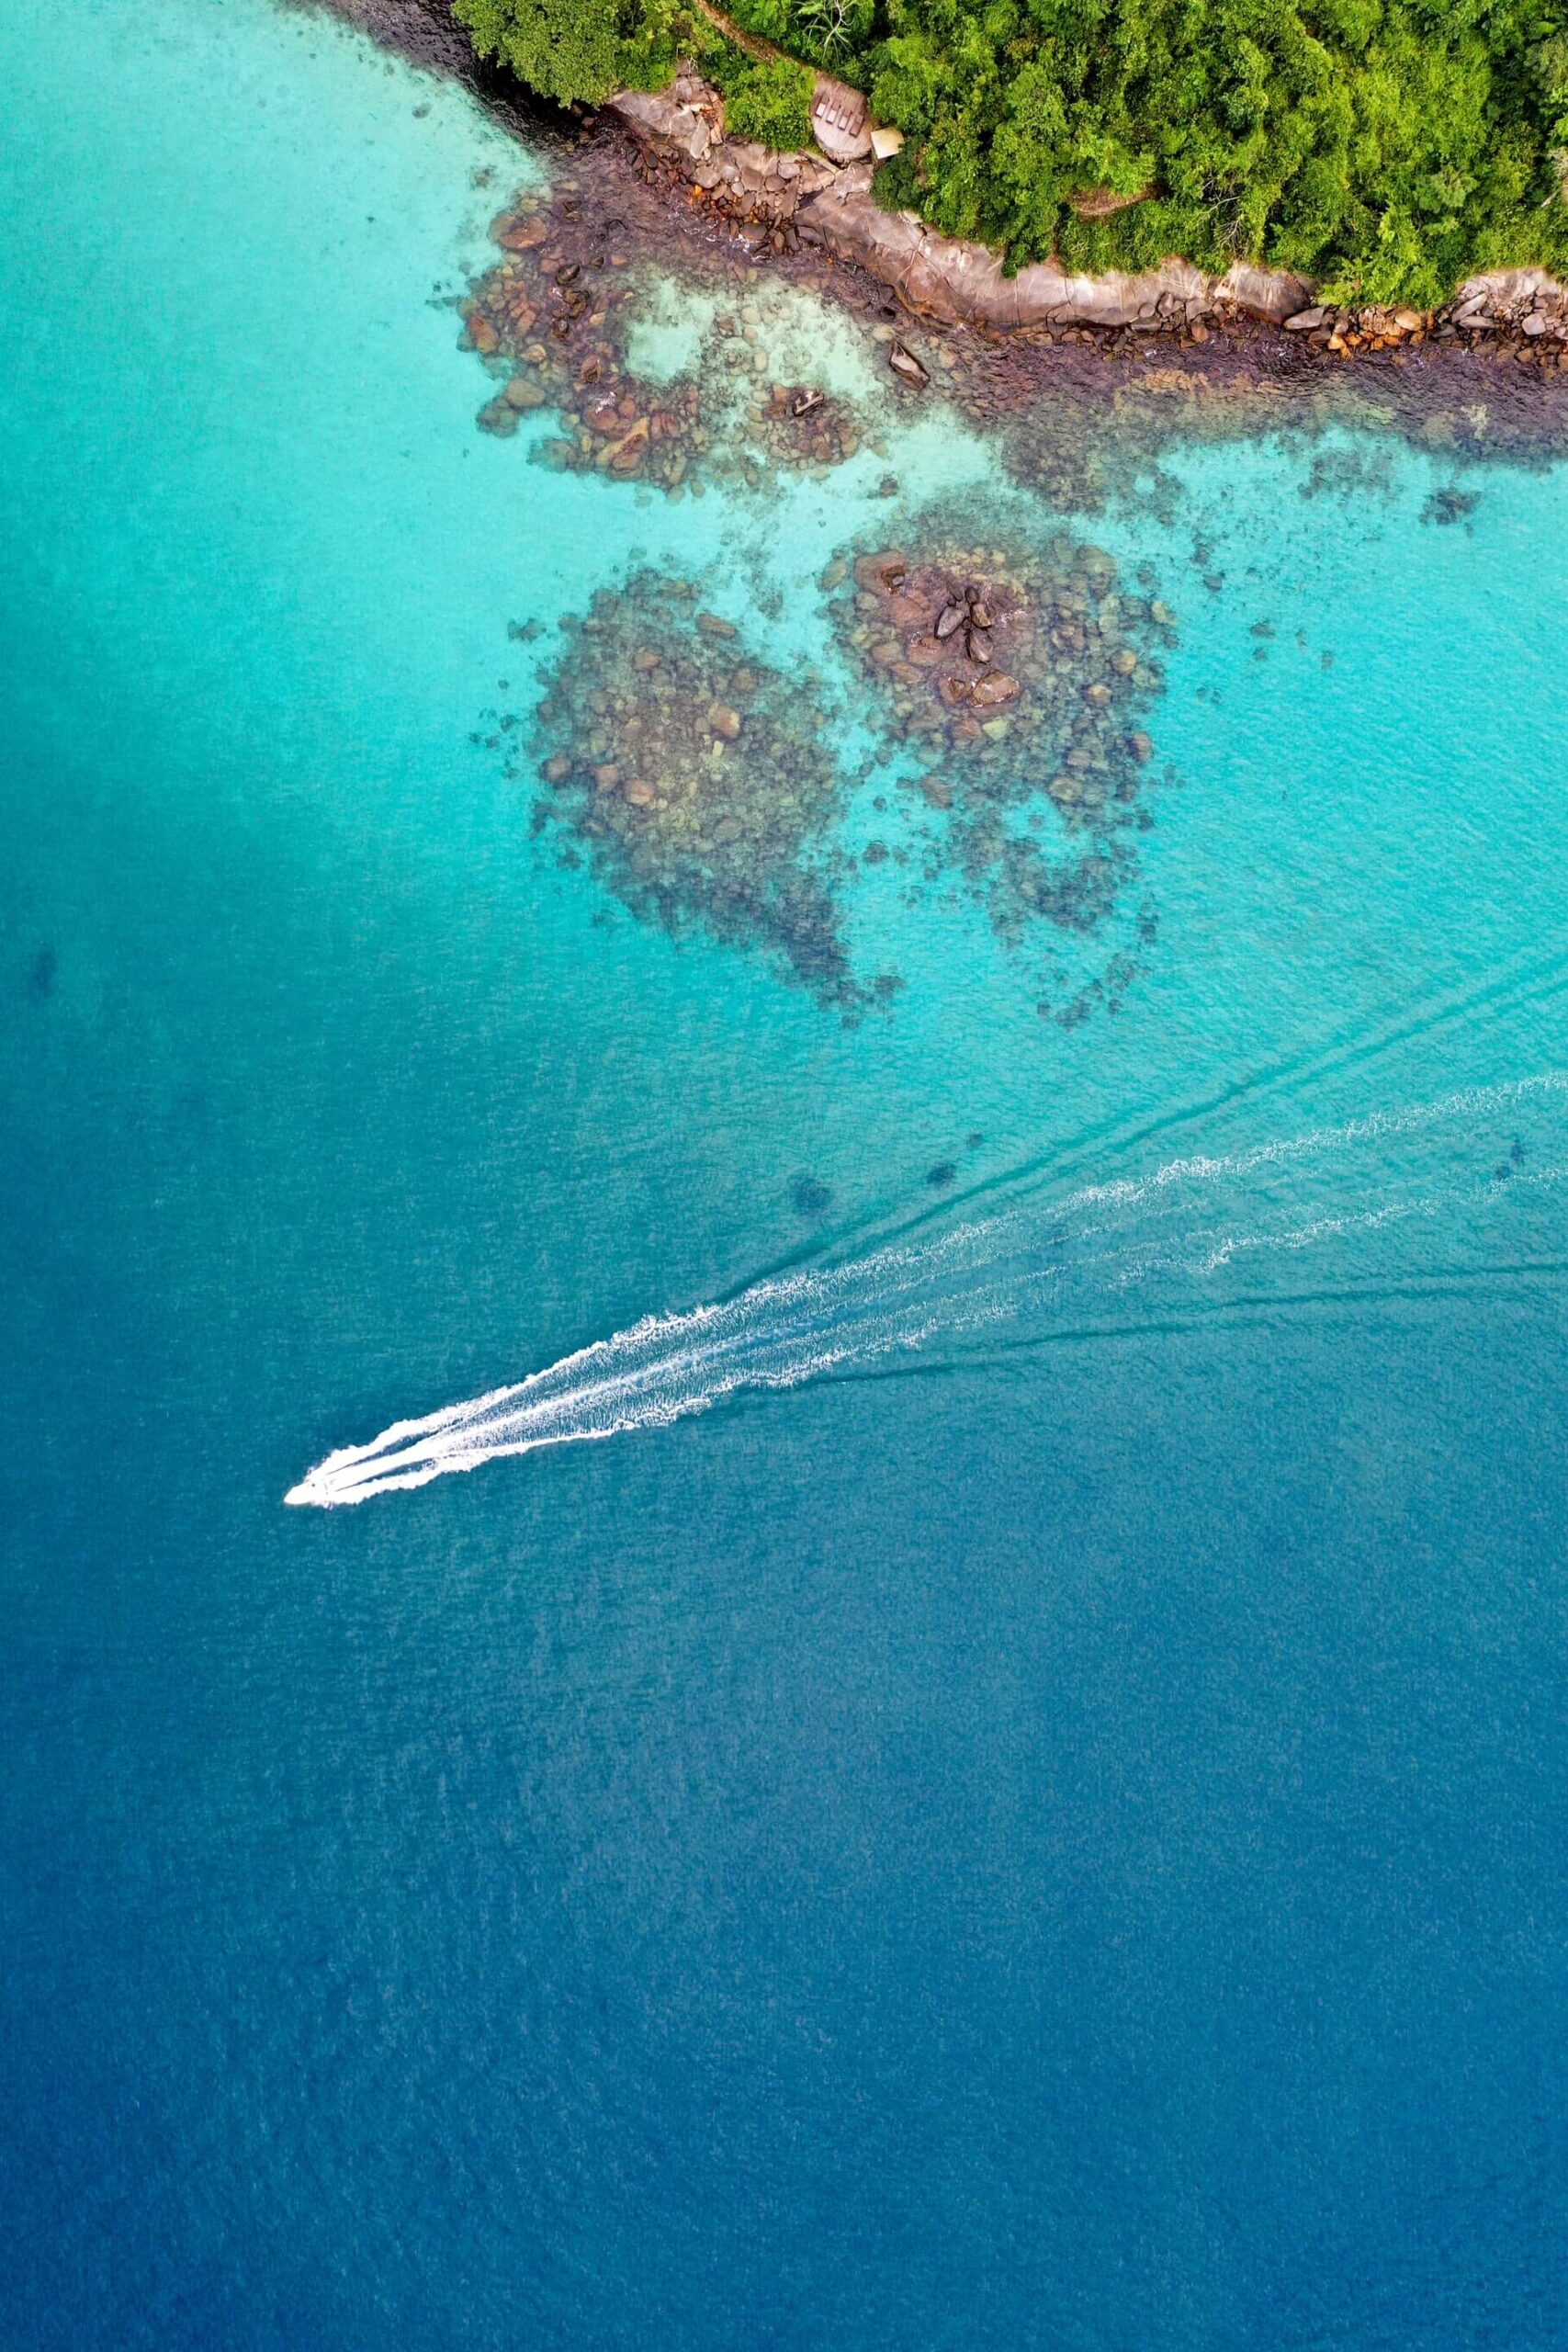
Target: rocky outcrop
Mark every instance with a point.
(948, 277)
(830, 204)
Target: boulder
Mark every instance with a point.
(519, 236)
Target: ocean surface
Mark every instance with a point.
(1018, 1795)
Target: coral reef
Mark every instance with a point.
(699, 779)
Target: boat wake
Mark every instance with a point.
(1176, 1238)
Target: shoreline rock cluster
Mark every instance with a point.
(810, 198)
(551, 320)
(580, 263)
(1519, 314)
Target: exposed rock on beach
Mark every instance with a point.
(827, 201)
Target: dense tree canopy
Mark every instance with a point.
(576, 49)
(1388, 148)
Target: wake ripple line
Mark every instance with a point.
(1188, 1222)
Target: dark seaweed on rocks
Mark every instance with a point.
(1084, 417)
(698, 778)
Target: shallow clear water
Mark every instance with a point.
(1048, 1830)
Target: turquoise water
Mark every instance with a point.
(1045, 1828)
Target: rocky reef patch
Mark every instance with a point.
(556, 321)
(1010, 676)
(698, 780)
(992, 692)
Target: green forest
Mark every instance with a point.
(1386, 148)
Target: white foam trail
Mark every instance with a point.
(1102, 1238)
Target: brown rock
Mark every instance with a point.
(724, 721)
(714, 625)
(994, 688)
(883, 574)
(520, 393)
(626, 455)
(481, 334)
(937, 790)
(516, 236)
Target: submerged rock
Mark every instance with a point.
(724, 816)
(809, 1197)
(559, 304)
(1015, 666)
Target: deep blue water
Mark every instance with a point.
(1052, 1836)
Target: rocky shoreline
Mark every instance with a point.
(807, 203)
(831, 204)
